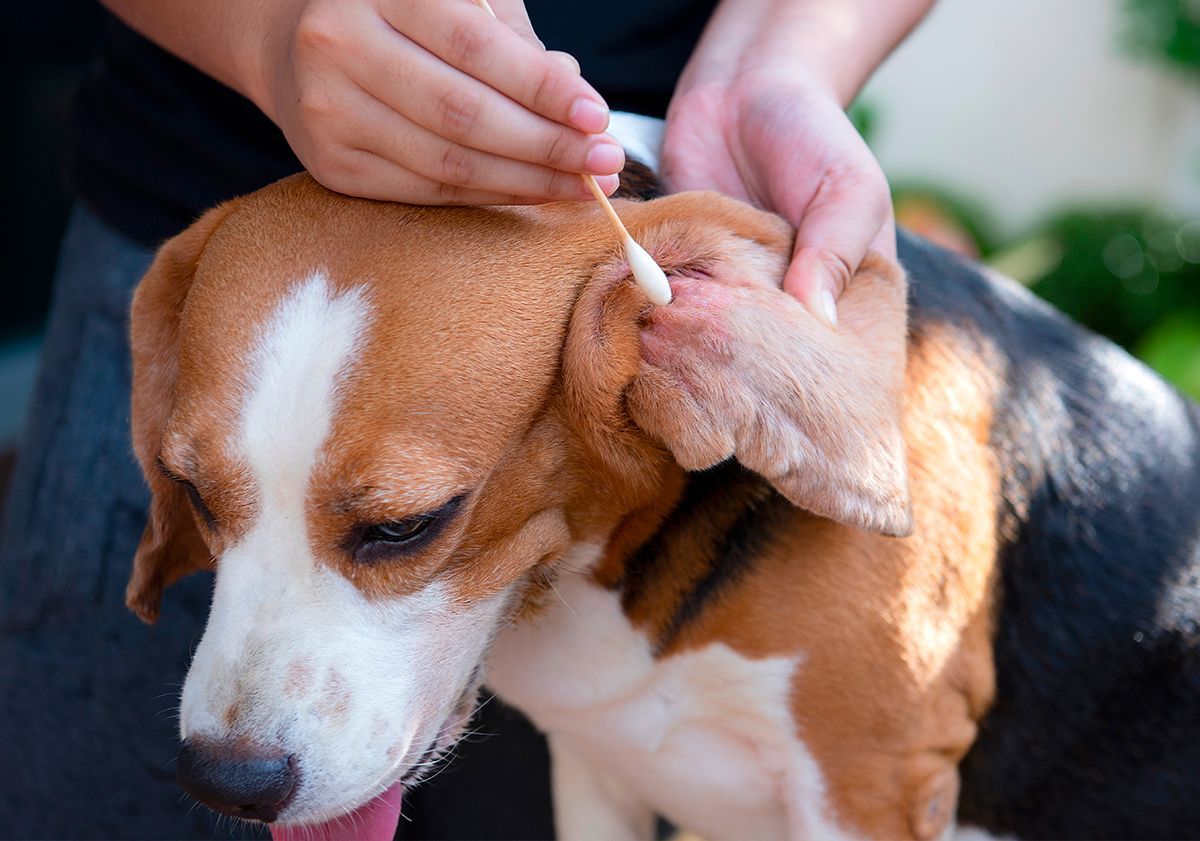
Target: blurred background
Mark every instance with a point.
(44, 50)
(1058, 142)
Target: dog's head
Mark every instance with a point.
(381, 426)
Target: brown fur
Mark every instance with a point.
(897, 667)
(511, 359)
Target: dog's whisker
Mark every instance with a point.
(565, 603)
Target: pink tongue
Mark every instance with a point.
(375, 820)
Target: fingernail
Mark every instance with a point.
(604, 159)
(828, 307)
(588, 115)
(607, 183)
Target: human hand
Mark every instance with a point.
(433, 102)
(779, 139)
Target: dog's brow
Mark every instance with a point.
(366, 501)
(168, 472)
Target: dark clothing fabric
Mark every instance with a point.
(154, 142)
(87, 692)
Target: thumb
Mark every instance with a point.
(817, 278)
(831, 242)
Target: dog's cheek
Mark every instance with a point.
(543, 537)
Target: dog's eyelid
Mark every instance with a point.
(168, 472)
(427, 527)
(373, 504)
(443, 512)
(193, 494)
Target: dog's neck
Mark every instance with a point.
(701, 541)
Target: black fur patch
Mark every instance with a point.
(723, 520)
(638, 181)
(1095, 732)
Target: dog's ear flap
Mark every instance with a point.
(171, 546)
(735, 367)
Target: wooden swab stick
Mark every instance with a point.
(649, 275)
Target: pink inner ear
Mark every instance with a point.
(696, 319)
(739, 368)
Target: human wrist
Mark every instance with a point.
(831, 45)
(261, 53)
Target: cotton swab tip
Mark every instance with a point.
(650, 278)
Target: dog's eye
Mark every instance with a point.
(193, 495)
(198, 503)
(398, 532)
(384, 541)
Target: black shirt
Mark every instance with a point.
(154, 142)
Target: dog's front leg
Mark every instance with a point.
(590, 805)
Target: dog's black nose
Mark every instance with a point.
(236, 779)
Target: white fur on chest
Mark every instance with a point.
(704, 737)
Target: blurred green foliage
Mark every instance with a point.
(1172, 347)
(1122, 271)
(863, 116)
(1168, 30)
(1133, 275)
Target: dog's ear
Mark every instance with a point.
(171, 546)
(735, 367)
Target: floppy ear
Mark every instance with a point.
(735, 367)
(171, 546)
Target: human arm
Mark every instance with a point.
(759, 114)
(425, 101)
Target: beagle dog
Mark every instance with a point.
(934, 572)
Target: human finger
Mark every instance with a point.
(380, 130)
(369, 176)
(463, 110)
(835, 233)
(469, 39)
(514, 15)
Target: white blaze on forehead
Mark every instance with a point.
(294, 371)
(291, 376)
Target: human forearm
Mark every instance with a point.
(836, 43)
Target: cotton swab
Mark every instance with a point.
(649, 275)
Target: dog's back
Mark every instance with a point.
(1095, 728)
